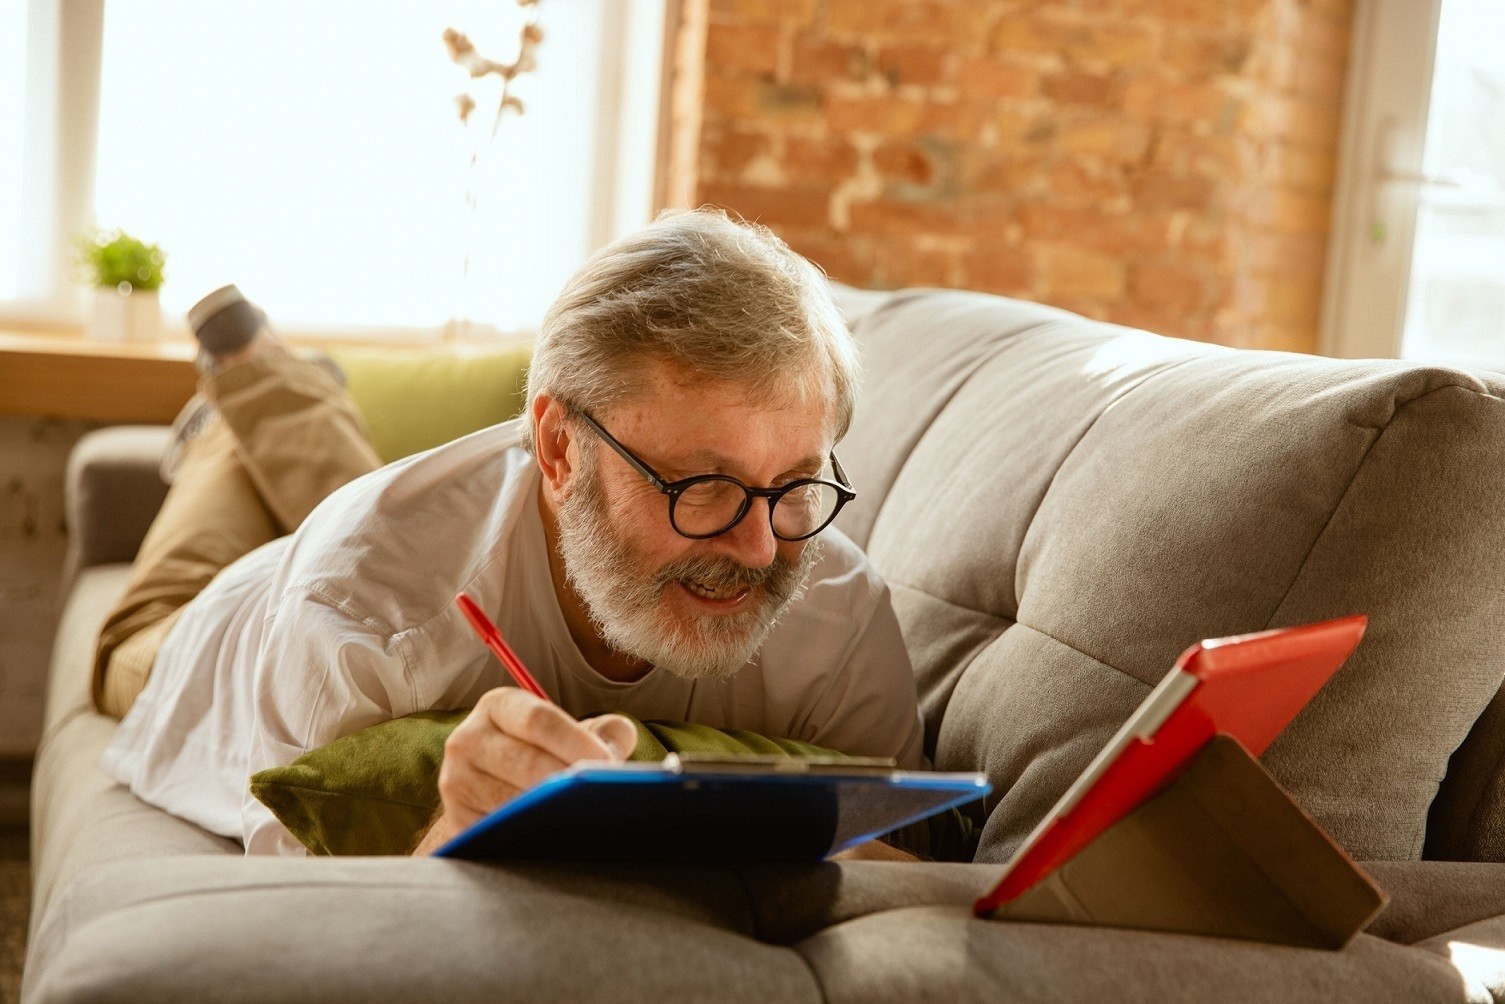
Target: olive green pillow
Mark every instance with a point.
(374, 792)
(413, 400)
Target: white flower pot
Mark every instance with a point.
(125, 315)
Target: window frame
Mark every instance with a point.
(64, 61)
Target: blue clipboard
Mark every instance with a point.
(711, 811)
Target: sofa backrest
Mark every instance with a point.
(1061, 507)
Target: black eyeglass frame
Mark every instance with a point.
(675, 489)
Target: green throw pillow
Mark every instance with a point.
(374, 791)
(414, 400)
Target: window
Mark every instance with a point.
(1417, 262)
(312, 152)
(12, 136)
(1456, 304)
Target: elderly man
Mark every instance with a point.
(652, 536)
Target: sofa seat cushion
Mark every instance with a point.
(1062, 507)
(79, 816)
(262, 929)
(375, 929)
(943, 953)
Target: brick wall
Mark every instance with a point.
(1162, 163)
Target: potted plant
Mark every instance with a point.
(126, 273)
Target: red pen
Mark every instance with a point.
(494, 641)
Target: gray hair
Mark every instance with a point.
(727, 299)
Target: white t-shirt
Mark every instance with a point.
(351, 621)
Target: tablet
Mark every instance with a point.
(1248, 686)
(711, 810)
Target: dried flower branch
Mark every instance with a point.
(478, 66)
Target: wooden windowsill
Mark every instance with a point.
(64, 375)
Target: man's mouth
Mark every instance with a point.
(721, 593)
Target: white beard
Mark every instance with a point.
(626, 604)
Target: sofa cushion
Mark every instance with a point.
(943, 953)
(1087, 501)
(415, 400)
(79, 817)
(264, 929)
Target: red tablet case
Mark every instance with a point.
(1249, 687)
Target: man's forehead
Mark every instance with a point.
(726, 425)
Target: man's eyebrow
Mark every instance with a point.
(708, 460)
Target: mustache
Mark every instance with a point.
(725, 573)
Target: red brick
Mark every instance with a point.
(961, 121)
(1078, 180)
(995, 77)
(847, 259)
(875, 113)
(753, 48)
(1292, 119)
(763, 11)
(1113, 46)
(899, 263)
(1115, 138)
(773, 207)
(1231, 158)
(818, 159)
(821, 62)
(1075, 271)
(904, 162)
(1301, 255)
(1000, 267)
(1073, 87)
(1283, 211)
(1171, 288)
(1160, 190)
(731, 97)
(1199, 54)
(1023, 32)
(789, 101)
(914, 65)
(1116, 233)
(952, 24)
(724, 152)
(1159, 99)
(1306, 168)
(954, 218)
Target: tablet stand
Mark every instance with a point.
(1223, 851)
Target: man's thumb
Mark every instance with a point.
(617, 732)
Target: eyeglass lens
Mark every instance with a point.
(709, 507)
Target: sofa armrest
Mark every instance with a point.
(112, 492)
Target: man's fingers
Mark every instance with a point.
(544, 725)
(617, 732)
(483, 767)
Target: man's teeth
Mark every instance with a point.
(700, 589)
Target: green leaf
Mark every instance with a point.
(114, 257)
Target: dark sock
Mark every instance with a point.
(225, 321)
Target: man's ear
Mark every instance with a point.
(553, 443)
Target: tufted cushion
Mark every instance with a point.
(1063, 506)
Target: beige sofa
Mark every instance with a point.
(1061, 507)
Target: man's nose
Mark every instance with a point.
(752, 541)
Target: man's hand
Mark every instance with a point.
(873, 850)
(508, 744)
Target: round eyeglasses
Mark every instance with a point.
(708, 505)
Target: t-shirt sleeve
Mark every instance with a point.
(323, 672)
(870, 707)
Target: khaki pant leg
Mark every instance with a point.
(297, 430)
(286, 435)
(211, 516)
